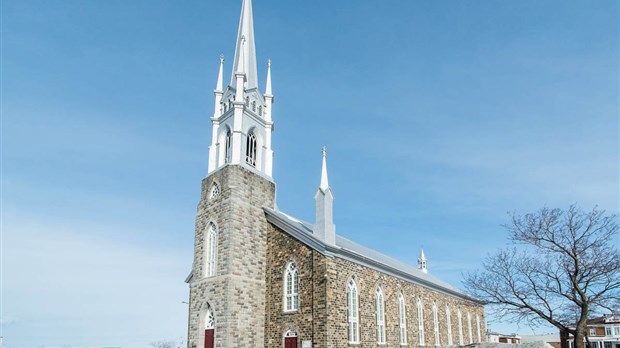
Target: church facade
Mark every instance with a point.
(262, 278)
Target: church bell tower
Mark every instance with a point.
(227, 282)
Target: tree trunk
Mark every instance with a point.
(580, 333)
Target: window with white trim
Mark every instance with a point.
(380, 309)
(250, 149)
(478, 327)
(471, 337)
(402, 319)
(211, 250)
(209, 318)
(449, 324)
(291, 288)
(608, 331)
(436, 325)
(420, 323)
(616, 330)
(460, 318)
(352, 306)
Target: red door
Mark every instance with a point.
(290, 342)
(209, 338)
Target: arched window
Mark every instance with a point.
(247, 101)
(209, 318)
(209, 328)
(471, 337)
(402, 320)
(449, 324)
(250, 149)
(478, 327)
(380, 308)
(436, 325)
(352, 304)
(260, 110)
(211, 250)
(215, 191)
(254, 105)
(291, 288)
(225, 106)
(460, 318)
(228, 148)
(420, 322)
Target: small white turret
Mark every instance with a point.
(324, 228)
(422, 261)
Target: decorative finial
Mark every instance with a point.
(222, 58)
(324, 151)
(269, 63)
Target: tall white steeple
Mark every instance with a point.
(324, 228)
(242, 121)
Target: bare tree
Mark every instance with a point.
(562, 267)
(163, 344)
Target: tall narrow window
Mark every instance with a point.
(436, 324)
(420, 323)
(478, 327)
(460, 318)
(291, 288)
(254, 105)
(260, 110)
(228, 154)
(352, 303)
(380, 307)
(402, 320)
(449, 324)
(471, 338)
(247, 101)
(211, 250)
(250, 150)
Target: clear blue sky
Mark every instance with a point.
(439, 118)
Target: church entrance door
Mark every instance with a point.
(209, 338)
(290, 342)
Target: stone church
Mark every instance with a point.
(262, 278)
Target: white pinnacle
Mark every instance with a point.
(220, 84)
(245, 52)
(324, 182)
(268, 87)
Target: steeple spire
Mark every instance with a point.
(324, 182)
(324, 228)
(245, 54)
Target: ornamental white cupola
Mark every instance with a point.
(242, 123)
(422, 262)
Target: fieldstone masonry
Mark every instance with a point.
(236, 293)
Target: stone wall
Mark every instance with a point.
(323, 282)
(237, 292)
(367, 280)
(309, 320)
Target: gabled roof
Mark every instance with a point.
(354, 252)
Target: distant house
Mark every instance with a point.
(496, 337)
(602, 332)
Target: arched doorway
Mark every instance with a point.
(209, 328)
(290, 339)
